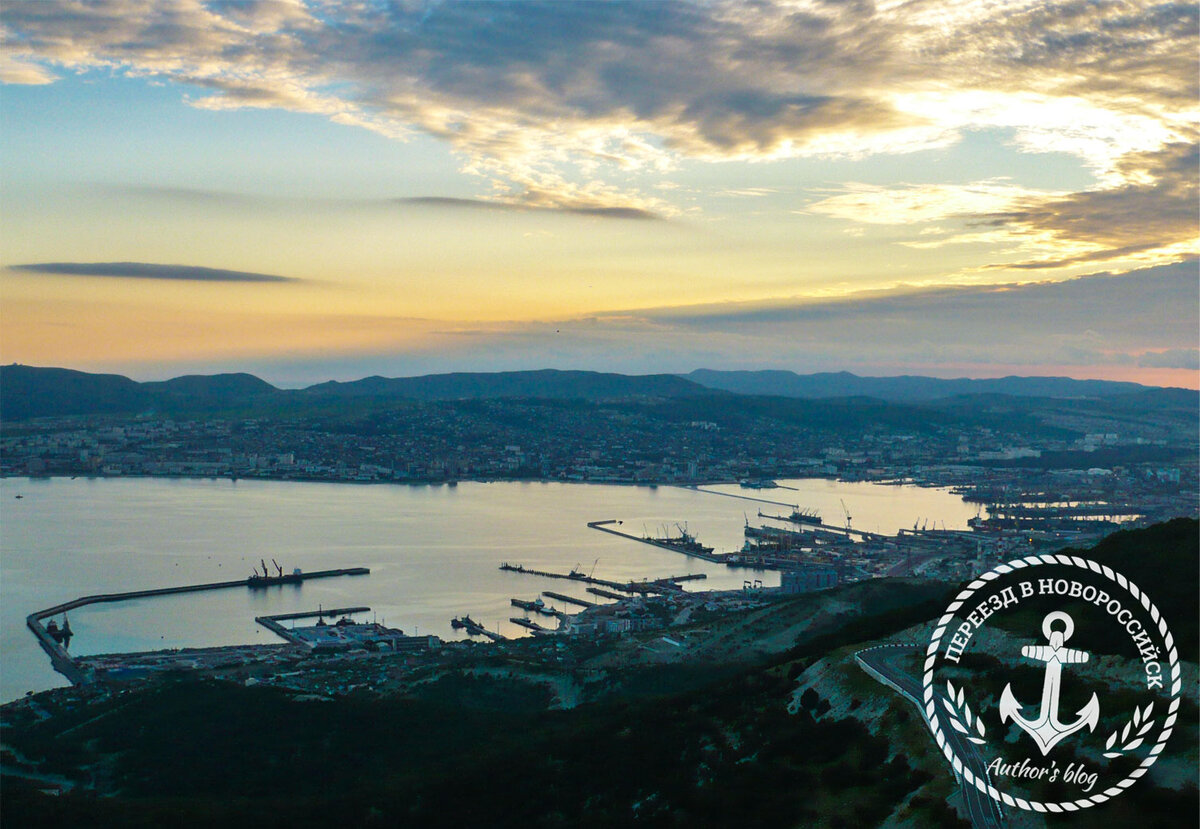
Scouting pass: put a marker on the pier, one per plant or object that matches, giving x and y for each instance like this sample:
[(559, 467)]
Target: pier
[(474, 628), (736, 495), (271, 623), (649, 586), (605, 527), (572, 576), (670, 583), (607, 594), (530, 625), (64, 663), (538, 607), (568, 599)]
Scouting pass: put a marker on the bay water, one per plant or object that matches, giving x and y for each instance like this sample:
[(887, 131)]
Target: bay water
[(434, 551)]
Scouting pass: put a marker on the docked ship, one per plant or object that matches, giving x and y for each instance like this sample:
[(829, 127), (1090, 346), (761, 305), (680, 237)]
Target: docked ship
[(808, 515), (685, 542), (265, 579)]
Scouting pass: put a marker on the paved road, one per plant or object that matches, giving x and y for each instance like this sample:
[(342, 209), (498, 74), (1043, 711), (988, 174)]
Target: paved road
[(985, 813)]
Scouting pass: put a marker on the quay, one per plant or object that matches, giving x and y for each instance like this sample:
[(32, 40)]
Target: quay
[(603, 526), (474, 628), (537, 607), (664, 585), (736, 495), (574, 575), (607, 594), (271, 623), (809, 530), (64, 663), (568, 599), (529, 624), (651, 586)]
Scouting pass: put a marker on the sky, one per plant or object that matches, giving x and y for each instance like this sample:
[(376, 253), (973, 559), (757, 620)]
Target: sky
[(313, 190)]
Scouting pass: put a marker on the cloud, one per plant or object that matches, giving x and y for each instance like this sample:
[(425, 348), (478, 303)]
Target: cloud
[(579, 208), (550, 104), (145, 270), (1154, 209), (1148, 317), (582, 206), (1128, 326), (1188, 358), (1150, 214)]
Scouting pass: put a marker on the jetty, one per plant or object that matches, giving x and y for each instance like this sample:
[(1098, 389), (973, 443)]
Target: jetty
[(574, 575), (537, 606), (735, 495), (473, 628), (607, 594), (568, 599), (271, 623), (64, 663), (663, 585), (694, 550), (530, 625)]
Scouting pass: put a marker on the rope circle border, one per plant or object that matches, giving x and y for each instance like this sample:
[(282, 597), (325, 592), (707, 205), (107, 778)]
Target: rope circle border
[(931, 656)]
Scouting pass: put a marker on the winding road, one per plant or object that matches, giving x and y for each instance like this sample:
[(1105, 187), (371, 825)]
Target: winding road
[(881, 663)]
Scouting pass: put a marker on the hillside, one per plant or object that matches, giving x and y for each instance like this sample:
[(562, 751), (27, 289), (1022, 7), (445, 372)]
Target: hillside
[(906, 388), (723, 738), (546, 383)]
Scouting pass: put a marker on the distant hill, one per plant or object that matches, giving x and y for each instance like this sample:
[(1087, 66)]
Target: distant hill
[(215, 389), (906, 388), (547, 383), (29, 391)]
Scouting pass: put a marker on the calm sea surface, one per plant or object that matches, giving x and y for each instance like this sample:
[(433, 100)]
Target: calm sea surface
[(434, 551)]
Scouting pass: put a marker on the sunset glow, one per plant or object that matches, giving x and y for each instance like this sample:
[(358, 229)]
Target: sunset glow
[(308, 190)]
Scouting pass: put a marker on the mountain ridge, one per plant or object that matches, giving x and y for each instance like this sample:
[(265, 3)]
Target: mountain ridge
[(31, 391), (904, 388)]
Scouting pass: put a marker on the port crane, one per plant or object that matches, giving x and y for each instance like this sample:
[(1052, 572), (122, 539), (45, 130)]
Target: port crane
[(847, 512)]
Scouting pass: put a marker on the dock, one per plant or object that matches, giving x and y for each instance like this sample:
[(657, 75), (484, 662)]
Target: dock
[(64, 663), (607, 594), (529, 624), (568, 599), (663, 585), (694, 488), (537, 607), (271, 623), (605, 527), (474, 628), (572, 576)]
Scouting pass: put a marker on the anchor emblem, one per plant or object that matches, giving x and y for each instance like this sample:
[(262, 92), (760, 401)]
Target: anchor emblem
[(1046, 730)]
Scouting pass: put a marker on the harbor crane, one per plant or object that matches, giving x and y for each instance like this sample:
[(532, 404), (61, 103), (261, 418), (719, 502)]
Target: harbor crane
[(847, 512)]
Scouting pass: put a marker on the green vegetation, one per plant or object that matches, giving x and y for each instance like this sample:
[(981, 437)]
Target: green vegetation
[(698, 744)]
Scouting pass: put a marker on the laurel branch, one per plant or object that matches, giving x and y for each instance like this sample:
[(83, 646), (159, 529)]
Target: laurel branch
[(984, 784), (1140, 717), (960, 717)]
